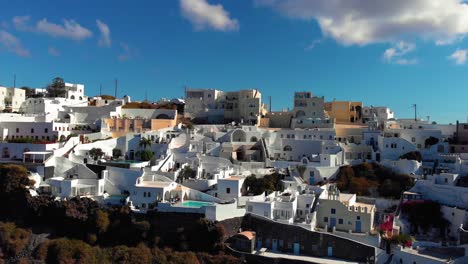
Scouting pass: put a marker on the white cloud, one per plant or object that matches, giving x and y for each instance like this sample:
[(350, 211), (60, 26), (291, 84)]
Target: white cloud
[(362, 22), (313, 44), (127, 52), (396, 53), (69, 29), (13, 44), (20, 22), (459, 56), (203, 15), (104, 39), (53, 52)]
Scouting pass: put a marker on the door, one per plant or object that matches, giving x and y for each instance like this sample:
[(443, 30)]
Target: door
[(332, 222), (358, 226), (330, 252), (274, 245), (259, 243), (296, 248)]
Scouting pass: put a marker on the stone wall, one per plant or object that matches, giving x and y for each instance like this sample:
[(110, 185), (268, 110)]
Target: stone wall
[(311, 243)]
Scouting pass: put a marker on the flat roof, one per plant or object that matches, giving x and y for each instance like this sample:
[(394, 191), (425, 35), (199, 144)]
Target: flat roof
[(234, 178), (38, 152), (159, 184)]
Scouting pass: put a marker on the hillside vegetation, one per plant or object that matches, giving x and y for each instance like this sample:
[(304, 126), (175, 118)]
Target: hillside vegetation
[(362, 179)]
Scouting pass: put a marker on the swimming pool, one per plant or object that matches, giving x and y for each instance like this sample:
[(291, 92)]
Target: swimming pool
[(196, 204)]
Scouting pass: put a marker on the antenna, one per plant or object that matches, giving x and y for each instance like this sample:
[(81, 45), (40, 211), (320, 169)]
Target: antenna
[(100, 89), (146, 96), (14, 80), (415, 112), (269, 97)]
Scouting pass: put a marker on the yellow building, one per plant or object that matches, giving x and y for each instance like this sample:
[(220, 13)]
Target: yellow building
[(344, 111)]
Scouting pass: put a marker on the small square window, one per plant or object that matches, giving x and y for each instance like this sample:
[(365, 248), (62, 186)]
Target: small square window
[(358, 217), (325, 219), (340, 221), (333, 211)]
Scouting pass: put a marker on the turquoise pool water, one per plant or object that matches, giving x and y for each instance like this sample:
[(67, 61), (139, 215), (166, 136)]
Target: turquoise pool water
[(196, 204)]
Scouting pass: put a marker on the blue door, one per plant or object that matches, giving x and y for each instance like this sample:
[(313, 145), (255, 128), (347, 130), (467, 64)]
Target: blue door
[(296, 248), (358, 226), (274, 245), (259, 243), (332, 222), (330, 252)]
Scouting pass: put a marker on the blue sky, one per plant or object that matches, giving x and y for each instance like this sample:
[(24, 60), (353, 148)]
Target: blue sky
[(374, 51)]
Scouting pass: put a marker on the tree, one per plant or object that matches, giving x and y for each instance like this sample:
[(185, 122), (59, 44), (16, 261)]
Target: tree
[(431, 141), (13, 239), (14, 182), (413, 155), (187, 172), (144, 155), (145, 142), (116, 153), (424, 214), (28, 92), (96, 153), (102, 221), (56, 88)]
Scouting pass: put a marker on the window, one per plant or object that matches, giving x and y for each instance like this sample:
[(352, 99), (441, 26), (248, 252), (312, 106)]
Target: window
[(307, 205), (340, 221), (149, 194), (358, 217), (32, 130), (333, 211), (17, 130), (325, 219), (144, 194), (228, 190), (287, 148), (413, 139), (249, 208), (46, 130)]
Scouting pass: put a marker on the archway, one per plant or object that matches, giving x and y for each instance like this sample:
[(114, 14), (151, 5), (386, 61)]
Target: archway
[(287, 148), (162, 116), (300, 113), (253, 139), (238, 136)]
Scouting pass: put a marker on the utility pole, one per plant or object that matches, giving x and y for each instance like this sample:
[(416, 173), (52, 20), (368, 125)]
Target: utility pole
[(269, 104), (116, 84), (415, 112)]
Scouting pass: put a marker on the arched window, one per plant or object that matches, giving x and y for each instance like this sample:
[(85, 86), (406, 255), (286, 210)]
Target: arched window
[(300, 113), (287, 148), (81, 98), (253, 139), (72, 97)]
